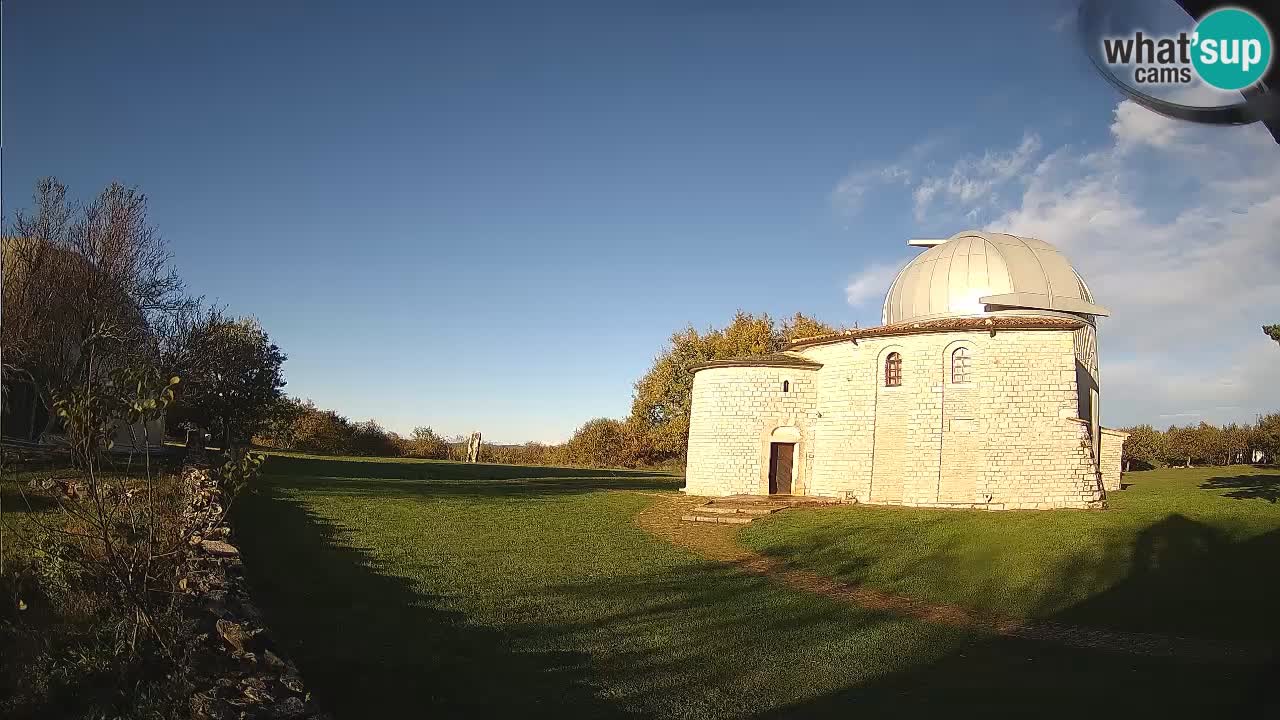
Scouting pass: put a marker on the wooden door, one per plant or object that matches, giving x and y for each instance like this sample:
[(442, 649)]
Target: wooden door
[(781, 457)]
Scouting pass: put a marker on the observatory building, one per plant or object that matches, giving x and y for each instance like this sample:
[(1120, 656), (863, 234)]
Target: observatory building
[(979, 390)]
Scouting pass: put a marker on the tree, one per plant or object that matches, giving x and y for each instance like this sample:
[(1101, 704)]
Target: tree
[(425, 443), (802, 326), (601, 442), (1143, 448), (317, 430), (370, 438), (1179, 446), (1272, 331), (78, 276), (1236, 443), (659, 422), (233, 376), (1266, 436)]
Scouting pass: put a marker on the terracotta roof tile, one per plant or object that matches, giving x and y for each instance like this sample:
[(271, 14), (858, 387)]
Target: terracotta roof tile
[(990, 323)]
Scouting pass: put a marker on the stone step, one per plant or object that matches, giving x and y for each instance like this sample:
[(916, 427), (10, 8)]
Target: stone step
[(723, 519), (739, 509)]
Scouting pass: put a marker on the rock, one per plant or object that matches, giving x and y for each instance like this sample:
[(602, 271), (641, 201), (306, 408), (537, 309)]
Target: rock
[(291, 707), (232, 634), (294, 683), (218, 548), (273, 660), (255, 691)]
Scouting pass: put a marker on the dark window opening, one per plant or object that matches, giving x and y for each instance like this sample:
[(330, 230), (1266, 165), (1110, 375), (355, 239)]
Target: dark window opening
[(893, 370), (960, 365)]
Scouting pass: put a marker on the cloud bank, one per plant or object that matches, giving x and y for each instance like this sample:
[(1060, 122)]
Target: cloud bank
[(1175, 226)]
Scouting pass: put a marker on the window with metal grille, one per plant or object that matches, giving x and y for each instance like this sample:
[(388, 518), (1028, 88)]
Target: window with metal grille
[(893, 370), (960, 365)]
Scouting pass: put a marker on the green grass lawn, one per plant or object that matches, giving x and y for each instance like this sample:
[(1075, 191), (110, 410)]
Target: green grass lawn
[(433, 589), (1184, 551)]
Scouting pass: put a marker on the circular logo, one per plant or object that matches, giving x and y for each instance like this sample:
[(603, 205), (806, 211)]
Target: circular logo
[(1231, 49)]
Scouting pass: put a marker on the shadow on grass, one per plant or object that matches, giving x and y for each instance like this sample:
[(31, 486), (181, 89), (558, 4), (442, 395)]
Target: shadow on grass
[(371, 645), (1247, 487), (435, 470), (1178, 571), (400, 479), (703, 640)]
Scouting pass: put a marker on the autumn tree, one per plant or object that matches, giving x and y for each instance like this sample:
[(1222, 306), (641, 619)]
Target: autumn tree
[(1236, 441), (80, 275), (1266, 436), (659, 422), (601, 442)]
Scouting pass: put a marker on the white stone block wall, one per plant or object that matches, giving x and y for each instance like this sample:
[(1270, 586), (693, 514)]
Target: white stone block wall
[(1004, 440), (1112, 450), (735, 412)]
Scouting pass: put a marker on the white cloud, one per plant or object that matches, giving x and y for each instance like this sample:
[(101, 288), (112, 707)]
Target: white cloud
[(871, 283), (973, 182), (849, 195), (1173, 225)]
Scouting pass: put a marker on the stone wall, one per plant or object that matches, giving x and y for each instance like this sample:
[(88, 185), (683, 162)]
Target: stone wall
[(1112, 447), (1002, 440), (736, 413)]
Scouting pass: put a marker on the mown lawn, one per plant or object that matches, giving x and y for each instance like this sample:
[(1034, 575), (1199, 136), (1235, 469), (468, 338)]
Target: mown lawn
[(1192, 552), (431, 589)]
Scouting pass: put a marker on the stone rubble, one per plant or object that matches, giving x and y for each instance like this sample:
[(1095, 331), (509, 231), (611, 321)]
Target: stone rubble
[(239, 672)]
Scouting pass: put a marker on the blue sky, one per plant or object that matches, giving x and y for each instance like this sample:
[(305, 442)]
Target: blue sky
[(491, 216)]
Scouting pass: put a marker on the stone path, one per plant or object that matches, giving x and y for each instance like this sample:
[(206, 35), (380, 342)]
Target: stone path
[(743, 509), (716, 541)]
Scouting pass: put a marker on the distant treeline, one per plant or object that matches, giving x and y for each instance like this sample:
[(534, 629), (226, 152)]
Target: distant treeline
[(300, 425), (1203, 444), (653, 435)]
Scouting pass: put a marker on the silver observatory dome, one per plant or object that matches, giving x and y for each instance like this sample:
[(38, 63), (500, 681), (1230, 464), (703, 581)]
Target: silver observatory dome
[(979, 273)]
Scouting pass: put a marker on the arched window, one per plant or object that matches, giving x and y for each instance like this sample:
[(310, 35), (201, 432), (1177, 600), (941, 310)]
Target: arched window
[(893, 370), (786, 386), (960, 365)]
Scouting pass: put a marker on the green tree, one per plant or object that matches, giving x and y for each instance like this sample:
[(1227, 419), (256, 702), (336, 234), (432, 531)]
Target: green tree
[(232, 378), (1144, 447), (1236, 443), (659, 421), (1272, 331), (1266, 436)]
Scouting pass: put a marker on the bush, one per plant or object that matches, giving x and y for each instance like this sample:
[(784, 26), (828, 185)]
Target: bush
[(425, 443)]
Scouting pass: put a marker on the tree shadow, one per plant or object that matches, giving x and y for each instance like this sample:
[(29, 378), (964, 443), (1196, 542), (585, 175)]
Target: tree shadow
[(1247, 487), (446, 479), (702, 639), (373, 645), (1177, 571), (437, 470)]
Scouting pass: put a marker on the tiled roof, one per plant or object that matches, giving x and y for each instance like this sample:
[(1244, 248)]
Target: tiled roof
[(990, 324), (770, 360)]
